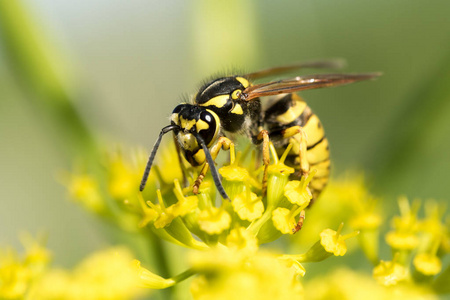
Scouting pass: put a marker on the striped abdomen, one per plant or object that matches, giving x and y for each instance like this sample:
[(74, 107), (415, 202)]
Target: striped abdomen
[(289, 111)]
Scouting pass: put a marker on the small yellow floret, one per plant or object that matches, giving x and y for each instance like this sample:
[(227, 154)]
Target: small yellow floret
[(85, 189), (242, 239), (248, 206), (234, 173), (123, 179), (298, 192), (389, 273), (214, 220), (283, 220), (333, 242), (427, 264), (402, 240)]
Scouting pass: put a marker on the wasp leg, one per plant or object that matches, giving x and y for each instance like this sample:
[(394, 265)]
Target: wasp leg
[(264, 136), (304, 164), (300, 222), (291, 132), (223, 143)]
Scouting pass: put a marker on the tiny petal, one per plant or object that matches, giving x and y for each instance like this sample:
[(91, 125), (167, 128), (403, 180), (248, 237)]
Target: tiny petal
[(214, 220), (85, 189), (298, 192), (333, 242), (147, 279), (389, 273), (234, 173), (402, 240), (291, 262), (283, 220), (242, 239), (248, 206), (427, 264), (184, 206), (164, 219)]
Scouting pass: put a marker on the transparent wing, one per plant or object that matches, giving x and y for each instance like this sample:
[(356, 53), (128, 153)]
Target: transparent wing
[(301, 83), (319, 64)]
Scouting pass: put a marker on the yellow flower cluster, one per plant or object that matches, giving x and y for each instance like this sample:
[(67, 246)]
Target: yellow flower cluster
[(105, 275), (226, 237), (422, 241), (19, 272)]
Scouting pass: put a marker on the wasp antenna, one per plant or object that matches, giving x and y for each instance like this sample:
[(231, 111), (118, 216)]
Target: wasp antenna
[(152, 155), (212, 167)]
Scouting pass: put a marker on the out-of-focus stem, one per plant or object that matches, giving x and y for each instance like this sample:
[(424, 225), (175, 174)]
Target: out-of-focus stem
[(45, 76)]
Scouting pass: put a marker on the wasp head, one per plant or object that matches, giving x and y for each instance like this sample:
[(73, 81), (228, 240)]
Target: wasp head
[(194, 121)]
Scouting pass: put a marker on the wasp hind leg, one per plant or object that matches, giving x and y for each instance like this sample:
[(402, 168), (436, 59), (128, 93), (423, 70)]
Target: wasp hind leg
[(296, 135), (223, 143)]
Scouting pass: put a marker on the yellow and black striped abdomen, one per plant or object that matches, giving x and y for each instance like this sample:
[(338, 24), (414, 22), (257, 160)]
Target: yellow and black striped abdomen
[(289, 111)]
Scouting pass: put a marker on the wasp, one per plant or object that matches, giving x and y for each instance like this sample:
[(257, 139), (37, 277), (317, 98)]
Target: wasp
[(233, 105)]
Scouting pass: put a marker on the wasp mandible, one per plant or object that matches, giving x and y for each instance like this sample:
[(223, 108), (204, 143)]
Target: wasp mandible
[(231, 105)]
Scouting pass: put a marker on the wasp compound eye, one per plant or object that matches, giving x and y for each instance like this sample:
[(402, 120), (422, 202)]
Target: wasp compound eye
[(208, 126)]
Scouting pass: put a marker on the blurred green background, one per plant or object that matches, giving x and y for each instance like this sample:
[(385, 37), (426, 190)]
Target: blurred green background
[(124, 65)]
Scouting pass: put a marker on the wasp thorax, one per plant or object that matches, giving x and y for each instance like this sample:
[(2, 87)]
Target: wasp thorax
[(222, 96)]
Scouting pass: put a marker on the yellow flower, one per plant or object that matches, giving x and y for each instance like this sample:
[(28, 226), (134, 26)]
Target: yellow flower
[(85, 189), (405, 226), (242, 239), (214, 220), (333, 242), (290, 261), (248, 206), (284, 219), (402, 240), (225, 275), (103, 275), (184, 205), (15, 277), (366, 221), (427, 264), (147, 279), (19, 272), (389, 273), (298, 192), (123, 178), (234, 173), (344, 283)]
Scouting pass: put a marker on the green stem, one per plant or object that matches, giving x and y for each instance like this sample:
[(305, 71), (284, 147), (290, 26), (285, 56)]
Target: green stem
[(185, 275), (45, 75), (255, 226)]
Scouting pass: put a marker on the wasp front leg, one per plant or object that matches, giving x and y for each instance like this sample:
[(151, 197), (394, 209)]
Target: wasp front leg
[(223, 143)]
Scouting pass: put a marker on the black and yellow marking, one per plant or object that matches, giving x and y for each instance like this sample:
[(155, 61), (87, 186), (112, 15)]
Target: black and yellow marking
[(232, 105), (283, 120)]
